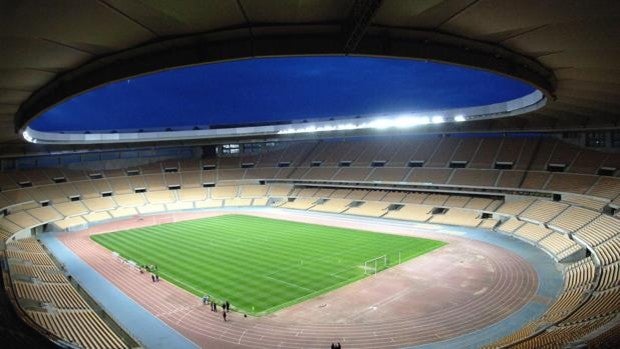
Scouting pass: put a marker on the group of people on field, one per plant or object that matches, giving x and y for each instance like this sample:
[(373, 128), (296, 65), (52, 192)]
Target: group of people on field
[(225, 305)]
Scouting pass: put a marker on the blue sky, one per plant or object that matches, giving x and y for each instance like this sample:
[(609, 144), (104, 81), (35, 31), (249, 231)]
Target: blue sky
[(278, 89)]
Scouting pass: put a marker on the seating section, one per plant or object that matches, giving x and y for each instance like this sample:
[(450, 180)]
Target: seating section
[(83, 327), (543, 210), (62, 310), (532, 232), (514, 207), (601, 229), (369, 208), (574, 218), (559, 245), (411, 212), (332, 205), (455, 216)]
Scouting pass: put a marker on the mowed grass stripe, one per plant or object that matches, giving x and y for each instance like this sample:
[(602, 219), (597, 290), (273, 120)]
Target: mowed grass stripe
[(258, 264)]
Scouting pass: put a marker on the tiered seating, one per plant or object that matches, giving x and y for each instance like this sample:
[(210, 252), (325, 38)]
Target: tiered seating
[(543, 211), (375, 195), (510, 179), (120, 185), (415, 198), (101, 186), (300, 203), (436, 199), (280, 189), (23, 219), (535, 180), (388, 174), (50, 192), (559, 245), (610, 277), (160, 197), (238, 202), (369, 208), (488, 223), (340, 193), (574, 183), (45, 214), (511, 225), (429, 175), (332, 205), (69, 209), (193, 194), (465, 176), (130, 200), (172, 178), (152, 208), (352, 174), (578, 277), (100, 204), (253, 191), (532, 232), (261, 173), (602, 303), (123, 212), (411, 212), (457, 201), (357, 194), (486, 153), (394, 196), (456, 216), (260, 201), (70, 318), (224, 192), (179, 205), (138, 182), (95, 217), (70, 222), (324, 192), (514, 207), (443, 152), (606, 187), (191, 179), (155, 182), (573, 218), (601, 229), (609, 251), (483, 204), (60, 295), (86, 189), (82, 327), (230, 174), (584, 201), (44, 273)]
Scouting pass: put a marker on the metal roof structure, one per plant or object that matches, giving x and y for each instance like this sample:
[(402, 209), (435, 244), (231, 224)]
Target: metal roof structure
[(569, 49)]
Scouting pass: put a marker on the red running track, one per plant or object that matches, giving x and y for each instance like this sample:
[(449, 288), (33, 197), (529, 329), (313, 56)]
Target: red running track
[(465, 286)]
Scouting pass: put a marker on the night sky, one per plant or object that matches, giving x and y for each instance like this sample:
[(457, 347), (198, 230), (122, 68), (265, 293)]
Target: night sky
[(278, 89)]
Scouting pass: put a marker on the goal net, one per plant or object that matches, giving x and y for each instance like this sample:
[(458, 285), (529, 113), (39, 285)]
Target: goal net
[(372, 266)]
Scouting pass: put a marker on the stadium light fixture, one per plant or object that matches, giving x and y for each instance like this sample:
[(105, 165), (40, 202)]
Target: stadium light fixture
[(459, 118), (437, 119), (28, 137)]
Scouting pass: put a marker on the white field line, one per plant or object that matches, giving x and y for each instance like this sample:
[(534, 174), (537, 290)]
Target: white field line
[(288, 283)]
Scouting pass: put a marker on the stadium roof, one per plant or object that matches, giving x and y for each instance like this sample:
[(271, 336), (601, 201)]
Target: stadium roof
[(568, 49)]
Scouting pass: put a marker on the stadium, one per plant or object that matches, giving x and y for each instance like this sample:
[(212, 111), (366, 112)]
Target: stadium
[(307, 173)]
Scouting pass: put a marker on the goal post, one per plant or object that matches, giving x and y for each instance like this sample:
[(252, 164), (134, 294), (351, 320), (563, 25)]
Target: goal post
[(372, 266)]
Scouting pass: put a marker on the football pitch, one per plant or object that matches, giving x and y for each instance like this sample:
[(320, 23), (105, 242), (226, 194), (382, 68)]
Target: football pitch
[(261, 265)]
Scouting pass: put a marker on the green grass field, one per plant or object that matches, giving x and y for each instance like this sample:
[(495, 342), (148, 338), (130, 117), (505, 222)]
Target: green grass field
[(259, 265)]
